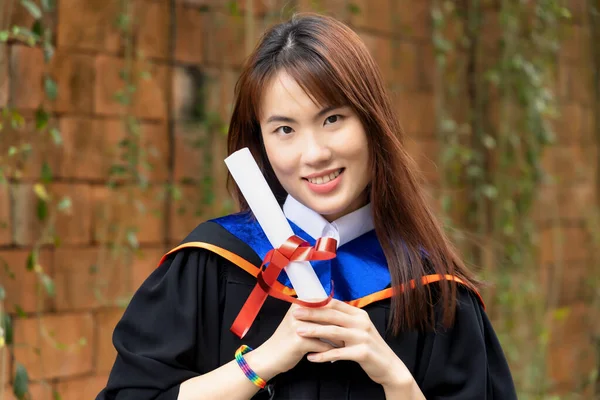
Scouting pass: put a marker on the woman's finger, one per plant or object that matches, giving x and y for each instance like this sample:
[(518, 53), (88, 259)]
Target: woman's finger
[(326, 316), (357, 353), (333, 333)]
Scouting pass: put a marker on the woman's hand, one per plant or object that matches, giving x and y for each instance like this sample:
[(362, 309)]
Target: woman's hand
[(284, 349), (341, 322)]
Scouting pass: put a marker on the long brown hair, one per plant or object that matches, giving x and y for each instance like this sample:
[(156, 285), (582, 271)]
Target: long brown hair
[(332, 64)]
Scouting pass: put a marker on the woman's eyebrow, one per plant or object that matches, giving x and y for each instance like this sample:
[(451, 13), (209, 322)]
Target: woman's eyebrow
[(281, 118)]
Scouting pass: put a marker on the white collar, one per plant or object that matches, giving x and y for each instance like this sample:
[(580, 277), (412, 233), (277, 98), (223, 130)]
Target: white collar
[(344, 229)]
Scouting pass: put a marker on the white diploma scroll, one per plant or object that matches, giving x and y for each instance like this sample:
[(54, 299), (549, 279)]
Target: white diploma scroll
[(267, 211)]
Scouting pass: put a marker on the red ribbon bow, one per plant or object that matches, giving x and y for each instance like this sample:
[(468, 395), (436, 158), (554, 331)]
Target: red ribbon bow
[(294, 249)]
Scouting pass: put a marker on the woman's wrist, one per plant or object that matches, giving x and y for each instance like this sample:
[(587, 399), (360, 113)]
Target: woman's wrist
[(400, 384), (262, 363)]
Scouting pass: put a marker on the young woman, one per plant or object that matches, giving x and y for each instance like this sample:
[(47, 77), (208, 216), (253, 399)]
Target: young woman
[(405, 321)]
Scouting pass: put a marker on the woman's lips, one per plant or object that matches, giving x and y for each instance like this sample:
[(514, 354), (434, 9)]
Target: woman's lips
[(323, 188)]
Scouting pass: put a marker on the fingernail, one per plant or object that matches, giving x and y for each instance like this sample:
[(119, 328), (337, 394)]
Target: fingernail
[(312, 357)]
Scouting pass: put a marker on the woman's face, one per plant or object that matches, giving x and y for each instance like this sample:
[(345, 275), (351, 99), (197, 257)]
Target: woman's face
[(319, 155)]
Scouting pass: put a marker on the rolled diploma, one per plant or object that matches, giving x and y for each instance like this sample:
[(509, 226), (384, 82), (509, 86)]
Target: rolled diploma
[(267, 211)]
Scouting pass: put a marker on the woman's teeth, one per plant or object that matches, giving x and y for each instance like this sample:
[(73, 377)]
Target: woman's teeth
[(324, 179)]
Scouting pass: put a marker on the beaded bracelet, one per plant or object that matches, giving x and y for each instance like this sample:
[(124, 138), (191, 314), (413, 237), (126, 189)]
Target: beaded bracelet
[(250, 374)]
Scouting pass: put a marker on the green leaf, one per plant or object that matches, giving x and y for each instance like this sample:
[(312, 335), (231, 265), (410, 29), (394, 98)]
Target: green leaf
[(48, 285), (32, 260), (40, 191), (21, 383), (64, 204), (42, 210), (353, 8), (38, 28), (20, 312), (51, 88), (2, 293), (132, 239), (41, 119), (56, 395), (12, 150), (8, 329), (4, 35), (56, 136), (48, 51), (46, 173), (33, 8), (48, 5)]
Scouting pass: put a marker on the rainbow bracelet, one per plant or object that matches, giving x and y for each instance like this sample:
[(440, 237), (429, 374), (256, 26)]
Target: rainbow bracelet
[(250, 374)]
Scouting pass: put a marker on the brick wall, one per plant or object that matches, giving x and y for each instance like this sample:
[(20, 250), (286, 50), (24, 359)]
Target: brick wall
[(209, 47)]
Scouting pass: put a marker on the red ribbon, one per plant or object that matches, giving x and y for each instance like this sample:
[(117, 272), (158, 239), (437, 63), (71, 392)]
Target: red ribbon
[(294, 249)]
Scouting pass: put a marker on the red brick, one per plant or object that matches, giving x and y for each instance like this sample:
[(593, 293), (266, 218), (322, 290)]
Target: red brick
[(190, 155), (52, 362), (492, 30), (90, 278), (572, 354), (75, 76), (425, 153), (575, 45), (152, 28), (427, 67), (224, 40), (21, 284), (27, 71), (91, 146), (272, 8), (588, 131), (405, 66), (4, 77), (416, 111), (106, 320), (72, 227), (563, 244), (582, 84), (118, 210), (27, 165), (88, 25), (382, 50), (144, 263), (564, 203), (565, 164), (5, 223), (27, 227), (336, 8), (410, 18), (579, 10), (567, 282), (191, 210), (37, 391), (81, 388), (568, 127), (374, 16), (190, 36), (150, 98)]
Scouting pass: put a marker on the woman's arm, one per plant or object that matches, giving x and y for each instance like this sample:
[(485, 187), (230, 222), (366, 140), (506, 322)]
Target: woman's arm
[(228, 381)]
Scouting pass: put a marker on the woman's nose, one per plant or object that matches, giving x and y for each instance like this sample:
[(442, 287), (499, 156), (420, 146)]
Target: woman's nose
[(316, 150)]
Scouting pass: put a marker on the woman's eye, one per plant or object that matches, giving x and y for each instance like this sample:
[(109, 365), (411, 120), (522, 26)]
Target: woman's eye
[(284, 129), (332, 119)]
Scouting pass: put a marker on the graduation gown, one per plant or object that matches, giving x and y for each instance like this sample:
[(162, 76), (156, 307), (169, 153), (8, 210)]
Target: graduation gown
[(177, 326)]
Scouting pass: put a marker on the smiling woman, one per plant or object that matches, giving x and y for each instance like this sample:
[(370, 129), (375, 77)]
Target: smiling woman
[(319, 154), (406, 318)]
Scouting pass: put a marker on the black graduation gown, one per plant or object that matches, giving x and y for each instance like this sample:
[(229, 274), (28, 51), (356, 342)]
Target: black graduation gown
[(177, 326)]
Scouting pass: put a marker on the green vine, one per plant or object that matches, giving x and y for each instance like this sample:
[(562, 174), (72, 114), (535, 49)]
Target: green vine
[(12, 163), (492, 163)]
